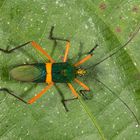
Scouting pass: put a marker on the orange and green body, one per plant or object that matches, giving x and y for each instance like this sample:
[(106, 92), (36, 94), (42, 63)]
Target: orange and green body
[(49, 73), (40, 72)]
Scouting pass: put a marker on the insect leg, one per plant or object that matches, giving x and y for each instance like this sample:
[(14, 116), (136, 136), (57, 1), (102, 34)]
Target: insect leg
[(34, 44), (74, 93), (60, 39), (83, 92), (67, 100), (55, 38), (90, 53), (66, 52), (73, 90), (11, 93), (39, 48), (82, 84), (40, 94), (12, 50), (93, 49)]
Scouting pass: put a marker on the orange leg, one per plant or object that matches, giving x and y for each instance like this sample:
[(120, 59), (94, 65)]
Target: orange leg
[(90, 53), (66, 52), (39, 48), (83, 60), (73, 90), (34, 44), (40, 94), (82, 84), (60, 39)]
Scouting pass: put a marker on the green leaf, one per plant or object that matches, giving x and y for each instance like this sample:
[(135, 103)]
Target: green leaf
[(109, 24)]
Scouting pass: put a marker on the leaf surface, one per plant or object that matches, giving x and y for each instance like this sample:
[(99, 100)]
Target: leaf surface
[(85, 23)]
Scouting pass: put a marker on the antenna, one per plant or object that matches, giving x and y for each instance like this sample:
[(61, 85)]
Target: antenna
[(118, 49), (120, 100)]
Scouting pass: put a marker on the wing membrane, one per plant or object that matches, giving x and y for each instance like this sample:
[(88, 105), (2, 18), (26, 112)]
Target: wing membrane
[(27, 73)]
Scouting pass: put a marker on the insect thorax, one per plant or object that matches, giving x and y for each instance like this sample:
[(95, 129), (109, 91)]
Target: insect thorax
[(63, 72)]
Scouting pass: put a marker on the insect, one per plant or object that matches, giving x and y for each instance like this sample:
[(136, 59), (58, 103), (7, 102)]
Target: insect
[(53, 72)]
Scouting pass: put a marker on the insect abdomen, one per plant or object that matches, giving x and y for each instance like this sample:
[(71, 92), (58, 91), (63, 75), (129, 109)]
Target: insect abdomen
[(29, 73)]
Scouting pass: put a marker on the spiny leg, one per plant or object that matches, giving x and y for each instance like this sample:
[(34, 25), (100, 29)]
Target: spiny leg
[(34, 44), (11, 93), (90, 53), (32, 100)]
